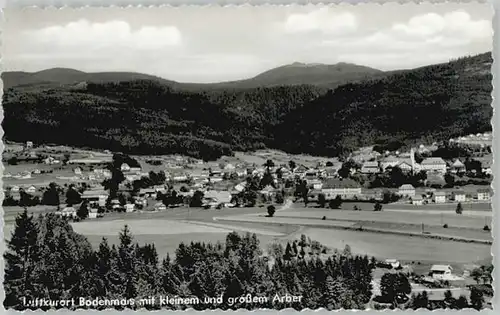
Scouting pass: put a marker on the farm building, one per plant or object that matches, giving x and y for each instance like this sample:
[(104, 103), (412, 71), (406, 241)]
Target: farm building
[(440, 197), (346, 188), (406, 190)]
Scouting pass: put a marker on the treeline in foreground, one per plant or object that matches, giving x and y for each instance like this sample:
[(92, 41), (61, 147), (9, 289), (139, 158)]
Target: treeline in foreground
[(46, 259)]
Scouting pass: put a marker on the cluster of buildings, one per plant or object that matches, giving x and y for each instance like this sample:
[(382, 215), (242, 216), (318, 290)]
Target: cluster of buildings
[(431, 195)]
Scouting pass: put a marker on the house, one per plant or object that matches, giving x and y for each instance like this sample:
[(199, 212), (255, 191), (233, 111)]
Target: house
[(311, 174), (389, 161), (346, 188), (229, 167), (214, 197), (370, 167), (160, 206), (29, 144), (67, 212), (98, 197), (458, 196), (148, 193), (135, 170), (433, 164), (440, 197), (406, 166), (417, 200), (125, 167), (77, 171), (268, 190), (31, 189), (483, 194), (314, 183), (50, 160), (457, 167), (240, 187), (300, 170), (406, 190), (14, 188), (129, 207), (440, 272)]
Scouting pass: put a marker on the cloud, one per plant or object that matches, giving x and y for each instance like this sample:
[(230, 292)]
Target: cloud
[(423, 39), (322, 20), (457, 23), (85, 35)]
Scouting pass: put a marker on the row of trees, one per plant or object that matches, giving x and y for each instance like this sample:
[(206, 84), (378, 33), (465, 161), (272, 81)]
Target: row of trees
[(45, 258)]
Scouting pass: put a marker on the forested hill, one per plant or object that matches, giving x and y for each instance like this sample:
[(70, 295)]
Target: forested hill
[(147, 116)]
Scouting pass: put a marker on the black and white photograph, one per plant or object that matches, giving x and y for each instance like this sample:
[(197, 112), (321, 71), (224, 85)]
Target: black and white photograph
[(248, 157)]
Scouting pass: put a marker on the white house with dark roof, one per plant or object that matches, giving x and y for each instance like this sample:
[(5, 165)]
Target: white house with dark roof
[(434, 164)]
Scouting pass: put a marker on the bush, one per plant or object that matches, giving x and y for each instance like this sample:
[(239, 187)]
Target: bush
[(486, 228), (445, 225), (377, 206), (459, 208), (271, 210), (324, 218)]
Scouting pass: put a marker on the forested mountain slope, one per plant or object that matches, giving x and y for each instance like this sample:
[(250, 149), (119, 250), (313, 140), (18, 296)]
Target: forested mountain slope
[(148, 116)]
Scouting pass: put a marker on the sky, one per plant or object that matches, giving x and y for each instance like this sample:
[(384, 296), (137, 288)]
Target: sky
[(213, 43)]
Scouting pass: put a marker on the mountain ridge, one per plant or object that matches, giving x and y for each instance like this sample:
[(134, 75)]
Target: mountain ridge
[(290, 74)]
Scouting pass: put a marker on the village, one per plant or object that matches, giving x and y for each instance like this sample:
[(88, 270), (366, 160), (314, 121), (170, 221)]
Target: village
[(417, 177)]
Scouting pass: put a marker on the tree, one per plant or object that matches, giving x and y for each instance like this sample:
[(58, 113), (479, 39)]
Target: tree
[(459, 208), (66, 158), (269, 163), (51, 195), (322, 200), (271, 210), (336, 202), (421, 300), (21, 257), (476, 298), (279, 198), (83, 211), (377, 206), (72, 196), (449, 179), (197, 200), (461, 303), (292, 165), (449, 300), (329, 164), (395, 287)]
